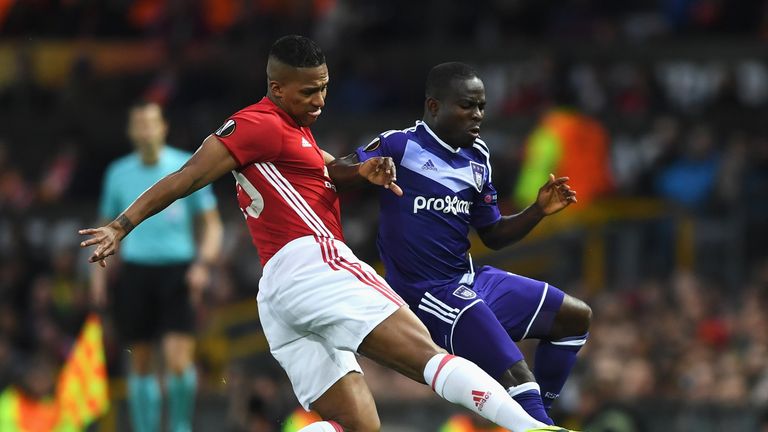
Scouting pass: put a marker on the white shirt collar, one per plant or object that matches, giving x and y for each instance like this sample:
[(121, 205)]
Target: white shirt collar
[(441, 142)]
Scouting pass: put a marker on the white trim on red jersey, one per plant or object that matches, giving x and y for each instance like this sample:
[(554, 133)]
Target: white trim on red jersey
[(323, 235), (293, 198)]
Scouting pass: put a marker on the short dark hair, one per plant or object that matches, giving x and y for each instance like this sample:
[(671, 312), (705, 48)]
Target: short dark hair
[(440, 77), (297, 51), (145, 103)]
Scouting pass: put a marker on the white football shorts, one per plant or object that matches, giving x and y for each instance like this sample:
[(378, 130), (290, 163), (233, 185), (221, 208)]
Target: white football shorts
[(317, 302)]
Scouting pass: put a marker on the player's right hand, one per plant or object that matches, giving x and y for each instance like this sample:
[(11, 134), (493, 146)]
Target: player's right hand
[(105, 238), (381, 171)]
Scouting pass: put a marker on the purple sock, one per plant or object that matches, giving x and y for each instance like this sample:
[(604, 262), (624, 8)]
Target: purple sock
[(529, 397), (553, 364)]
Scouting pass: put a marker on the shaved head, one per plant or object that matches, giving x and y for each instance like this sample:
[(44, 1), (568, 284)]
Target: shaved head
[(293, 51), (278, 71), (297, 78), (289, 55)]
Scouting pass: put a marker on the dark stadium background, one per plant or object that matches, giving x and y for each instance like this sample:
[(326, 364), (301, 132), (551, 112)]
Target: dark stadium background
[(673, 260)]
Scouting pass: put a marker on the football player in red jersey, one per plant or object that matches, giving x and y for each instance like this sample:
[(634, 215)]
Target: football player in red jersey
[(318, 303)]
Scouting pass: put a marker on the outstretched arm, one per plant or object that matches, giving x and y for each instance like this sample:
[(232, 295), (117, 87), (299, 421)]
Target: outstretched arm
[(347, 172), (208, 163), (554, 196)]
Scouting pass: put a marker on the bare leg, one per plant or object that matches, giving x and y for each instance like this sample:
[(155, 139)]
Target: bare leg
[(402, 343), (349, 403), (573, 319)]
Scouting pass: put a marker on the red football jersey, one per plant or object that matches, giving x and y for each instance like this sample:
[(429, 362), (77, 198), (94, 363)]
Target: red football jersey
[(283, 187)]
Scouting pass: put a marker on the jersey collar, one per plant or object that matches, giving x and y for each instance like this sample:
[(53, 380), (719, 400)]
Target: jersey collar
[(439, 141), (280, 112)]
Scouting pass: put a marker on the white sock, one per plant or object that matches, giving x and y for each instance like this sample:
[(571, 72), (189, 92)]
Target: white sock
[(462, 382), (322, 426), (524, 387)]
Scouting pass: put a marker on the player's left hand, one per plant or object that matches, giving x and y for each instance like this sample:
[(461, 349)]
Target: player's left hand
[(555, 195), (381, 171)]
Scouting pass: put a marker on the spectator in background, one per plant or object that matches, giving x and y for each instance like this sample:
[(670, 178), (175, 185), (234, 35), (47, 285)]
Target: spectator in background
[(163, 273), (690, 178), (571, 144)]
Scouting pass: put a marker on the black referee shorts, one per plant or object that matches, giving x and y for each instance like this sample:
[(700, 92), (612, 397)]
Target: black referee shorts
[(149, 301)]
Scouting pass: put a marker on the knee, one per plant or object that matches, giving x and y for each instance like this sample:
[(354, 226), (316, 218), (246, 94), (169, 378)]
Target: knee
[(574, 319), (584, 318)]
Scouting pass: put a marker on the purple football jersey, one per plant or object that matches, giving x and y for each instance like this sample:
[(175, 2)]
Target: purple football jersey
[(422, 235)]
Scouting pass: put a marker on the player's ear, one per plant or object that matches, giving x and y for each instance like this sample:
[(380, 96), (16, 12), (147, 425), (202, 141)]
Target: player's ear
[(433, 106), (275, 88)]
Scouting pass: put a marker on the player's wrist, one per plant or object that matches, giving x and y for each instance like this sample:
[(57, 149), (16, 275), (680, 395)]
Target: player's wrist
[(122, 225), (536, 210)]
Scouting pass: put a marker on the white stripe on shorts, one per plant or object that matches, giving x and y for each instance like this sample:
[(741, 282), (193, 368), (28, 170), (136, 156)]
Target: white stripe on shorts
[(535, 314), (437, 308), (440, 303), (431, 311)]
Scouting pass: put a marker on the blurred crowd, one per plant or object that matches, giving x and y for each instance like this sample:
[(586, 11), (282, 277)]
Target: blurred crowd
[(681, 119), (684, 339), (600, 20)]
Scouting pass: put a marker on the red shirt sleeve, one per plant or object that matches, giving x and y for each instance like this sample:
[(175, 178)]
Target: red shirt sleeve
[(252, 137)]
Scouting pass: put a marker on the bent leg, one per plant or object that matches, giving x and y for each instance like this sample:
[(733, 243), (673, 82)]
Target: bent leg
[(573, 319), (402, 343), (533, 309), (478, 336), (556, 353), (522, 386)]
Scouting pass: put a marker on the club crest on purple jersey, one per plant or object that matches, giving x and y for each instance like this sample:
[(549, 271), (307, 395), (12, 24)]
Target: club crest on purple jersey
[(464, 292), (478, 173)]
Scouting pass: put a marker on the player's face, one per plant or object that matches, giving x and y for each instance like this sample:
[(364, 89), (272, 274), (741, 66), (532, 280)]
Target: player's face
[(302, 93), (460, 113), (147, 128)]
